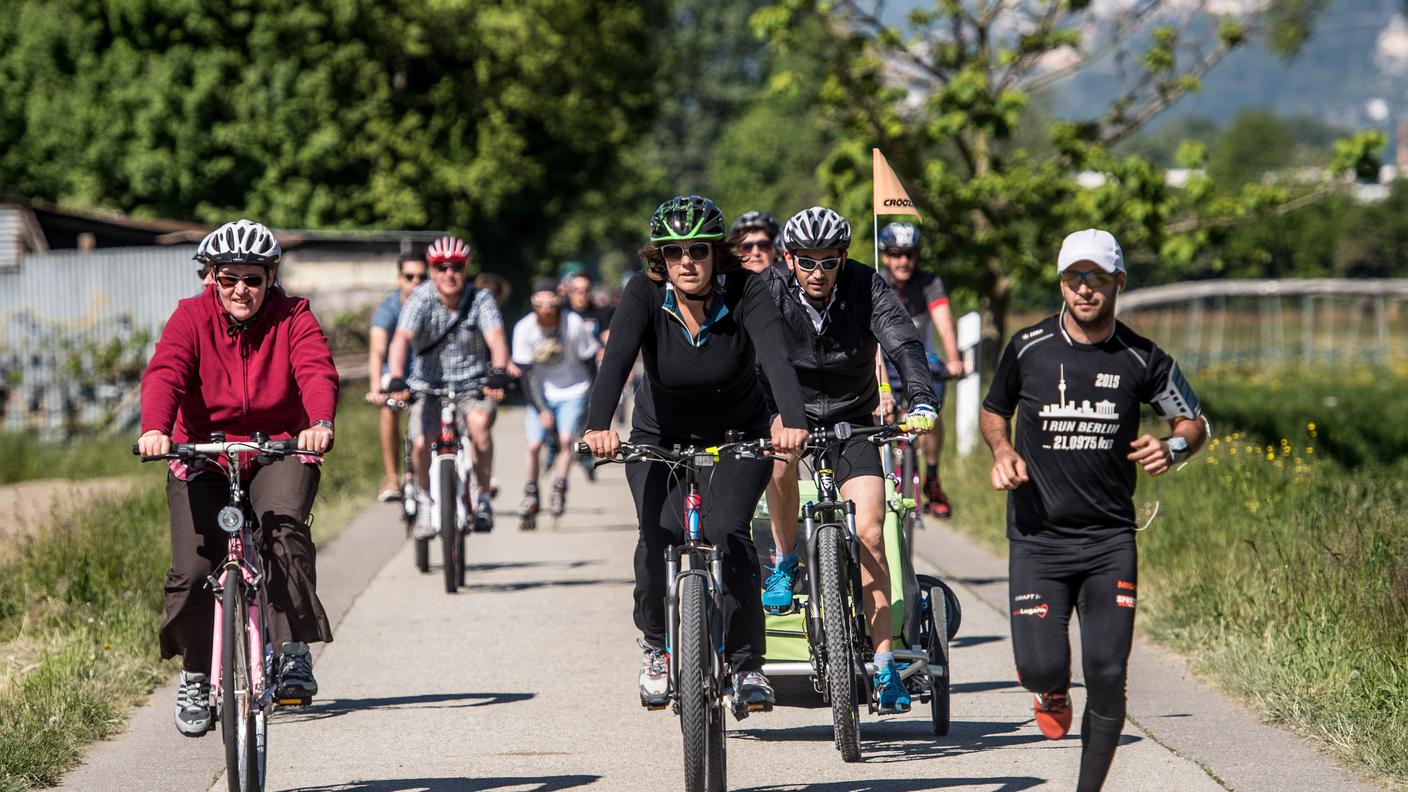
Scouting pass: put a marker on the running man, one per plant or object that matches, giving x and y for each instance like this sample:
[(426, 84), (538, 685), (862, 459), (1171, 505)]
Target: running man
[(1076, 382), (837, 312), (553, 348), (923, 295), (449, 324)]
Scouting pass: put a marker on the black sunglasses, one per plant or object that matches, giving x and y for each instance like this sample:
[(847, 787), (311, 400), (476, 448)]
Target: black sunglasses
[(827, 264), (453, 267), (230, 281), (899, 252), (699, 251), (748, 247), (411, 277)]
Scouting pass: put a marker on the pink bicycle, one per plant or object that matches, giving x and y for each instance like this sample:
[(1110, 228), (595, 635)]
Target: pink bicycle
[(242, 680)]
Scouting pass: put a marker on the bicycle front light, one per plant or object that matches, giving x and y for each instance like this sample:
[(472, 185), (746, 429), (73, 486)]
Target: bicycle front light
[(231, 519)]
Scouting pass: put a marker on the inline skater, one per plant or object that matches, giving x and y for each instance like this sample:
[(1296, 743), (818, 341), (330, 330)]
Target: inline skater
[(553, 348), (1076, 381), (923, 295), (837, 312), (284, 383), (458, 337), (700, 322)]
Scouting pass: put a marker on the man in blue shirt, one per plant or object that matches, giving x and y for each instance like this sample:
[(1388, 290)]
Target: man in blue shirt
[(411, 272)]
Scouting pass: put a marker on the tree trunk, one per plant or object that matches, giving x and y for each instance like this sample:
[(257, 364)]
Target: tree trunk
[(995, 301)]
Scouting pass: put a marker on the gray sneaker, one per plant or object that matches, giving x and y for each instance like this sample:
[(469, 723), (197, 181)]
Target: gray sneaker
[(654, 677), (752, 690), (193, 714), (295, 679)]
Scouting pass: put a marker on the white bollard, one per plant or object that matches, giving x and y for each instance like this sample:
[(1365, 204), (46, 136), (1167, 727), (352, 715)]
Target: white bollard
[(970, 332)]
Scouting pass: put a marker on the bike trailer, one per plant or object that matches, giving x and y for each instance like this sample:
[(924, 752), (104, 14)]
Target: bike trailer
[(786, 634)]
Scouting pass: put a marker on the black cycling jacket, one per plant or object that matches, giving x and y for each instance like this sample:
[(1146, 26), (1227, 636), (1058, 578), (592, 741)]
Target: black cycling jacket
[(836, 366)]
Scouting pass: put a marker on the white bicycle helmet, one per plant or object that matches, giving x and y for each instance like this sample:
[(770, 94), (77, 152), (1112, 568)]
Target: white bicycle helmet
[(815, 229), (904, 236), (240, 242)]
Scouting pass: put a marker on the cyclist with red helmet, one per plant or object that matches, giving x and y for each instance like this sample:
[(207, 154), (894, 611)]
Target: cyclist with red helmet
[(458, 336)]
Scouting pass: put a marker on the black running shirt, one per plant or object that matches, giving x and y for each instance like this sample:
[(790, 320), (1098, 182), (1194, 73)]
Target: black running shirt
[(1078, 409)]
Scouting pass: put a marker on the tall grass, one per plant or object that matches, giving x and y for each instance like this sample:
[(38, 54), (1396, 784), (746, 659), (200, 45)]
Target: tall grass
[(23, 456), (1278, 560), (81, 602)]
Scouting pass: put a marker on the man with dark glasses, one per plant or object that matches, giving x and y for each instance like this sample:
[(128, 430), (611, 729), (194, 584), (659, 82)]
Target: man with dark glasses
[(1077, 382), (753, 237), (457, 334), (411, 271), (923, 296), (837, 312)]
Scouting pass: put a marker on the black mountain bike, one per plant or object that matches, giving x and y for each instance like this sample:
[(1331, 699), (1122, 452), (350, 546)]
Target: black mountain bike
[(695, 633)]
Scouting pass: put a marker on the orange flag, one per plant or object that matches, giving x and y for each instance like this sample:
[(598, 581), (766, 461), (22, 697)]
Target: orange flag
[(890, 197)]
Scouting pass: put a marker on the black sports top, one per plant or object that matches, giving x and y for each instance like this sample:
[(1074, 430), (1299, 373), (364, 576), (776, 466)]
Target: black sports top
[(1078, 410), (697, 387)]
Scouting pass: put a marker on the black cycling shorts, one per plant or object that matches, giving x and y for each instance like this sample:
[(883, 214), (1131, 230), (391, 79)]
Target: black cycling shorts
[(856, 458)]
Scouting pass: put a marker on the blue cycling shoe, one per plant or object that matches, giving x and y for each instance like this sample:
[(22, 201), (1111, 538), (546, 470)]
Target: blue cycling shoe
[(894, 699), (777, 589)]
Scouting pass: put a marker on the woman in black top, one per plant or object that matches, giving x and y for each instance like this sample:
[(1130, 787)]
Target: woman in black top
[(700, 323)]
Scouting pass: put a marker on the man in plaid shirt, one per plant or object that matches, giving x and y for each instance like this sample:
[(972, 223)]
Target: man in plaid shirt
[(451, 326)]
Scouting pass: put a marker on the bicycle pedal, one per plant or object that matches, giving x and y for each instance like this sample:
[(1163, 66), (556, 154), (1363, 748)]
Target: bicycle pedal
[(656, 708), (295, 702), (760, 708)]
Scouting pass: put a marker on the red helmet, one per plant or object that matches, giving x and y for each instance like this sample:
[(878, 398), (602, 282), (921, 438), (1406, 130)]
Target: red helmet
[(447, 248)]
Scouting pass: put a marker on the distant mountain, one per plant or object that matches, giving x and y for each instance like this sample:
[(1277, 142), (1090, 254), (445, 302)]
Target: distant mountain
[(1352, 73)]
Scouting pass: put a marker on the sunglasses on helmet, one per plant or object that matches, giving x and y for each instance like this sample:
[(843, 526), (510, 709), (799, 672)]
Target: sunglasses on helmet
[(699, 251)]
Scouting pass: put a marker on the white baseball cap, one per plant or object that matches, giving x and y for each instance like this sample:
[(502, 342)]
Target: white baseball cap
[(1093, 245)]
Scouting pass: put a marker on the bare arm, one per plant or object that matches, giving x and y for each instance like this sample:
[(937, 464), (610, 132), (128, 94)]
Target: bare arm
[(379, 341), (1008, 468), (497, 341), (942, 317), (1153, 454)]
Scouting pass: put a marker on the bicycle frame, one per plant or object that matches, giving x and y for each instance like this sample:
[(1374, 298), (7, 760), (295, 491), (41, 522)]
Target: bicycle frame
[(450, 445), (704, 561), (242, 567)]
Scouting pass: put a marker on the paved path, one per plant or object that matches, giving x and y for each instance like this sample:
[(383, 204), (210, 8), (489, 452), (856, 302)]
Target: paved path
[(525, 682)]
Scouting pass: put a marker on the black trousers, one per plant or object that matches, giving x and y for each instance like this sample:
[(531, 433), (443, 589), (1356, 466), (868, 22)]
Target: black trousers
[(1099, 581), (729, 492), (282, 495)]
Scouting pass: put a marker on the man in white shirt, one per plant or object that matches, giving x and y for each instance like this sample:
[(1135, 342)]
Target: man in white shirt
[(554, 349)]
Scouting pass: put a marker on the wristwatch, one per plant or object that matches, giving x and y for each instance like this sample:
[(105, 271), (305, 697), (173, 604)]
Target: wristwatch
[(326, 424), (1177, 449)]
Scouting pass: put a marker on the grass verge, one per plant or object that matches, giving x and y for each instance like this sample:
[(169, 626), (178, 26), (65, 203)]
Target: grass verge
[(81, 602), (24, 457), (1277, 564)]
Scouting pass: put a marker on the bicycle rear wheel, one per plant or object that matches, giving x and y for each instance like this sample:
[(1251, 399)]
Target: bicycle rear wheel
[(238, 725), (446, 502), (701, 719), (832, 562), (938, 649)]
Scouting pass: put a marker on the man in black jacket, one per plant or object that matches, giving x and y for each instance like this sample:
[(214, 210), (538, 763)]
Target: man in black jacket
[(836, 312)]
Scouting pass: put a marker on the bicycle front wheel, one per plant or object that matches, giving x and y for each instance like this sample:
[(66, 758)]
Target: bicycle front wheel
[(835, 620), (701, 719), (447, 503), (239, 725)]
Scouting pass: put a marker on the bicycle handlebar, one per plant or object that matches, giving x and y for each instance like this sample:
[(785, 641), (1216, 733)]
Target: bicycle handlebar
[(645, 452), (183, 451)]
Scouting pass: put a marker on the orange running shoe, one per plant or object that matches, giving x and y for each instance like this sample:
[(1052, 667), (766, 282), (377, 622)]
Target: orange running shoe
[(1053, 714)]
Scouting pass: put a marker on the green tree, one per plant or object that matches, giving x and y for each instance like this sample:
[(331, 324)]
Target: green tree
[(493, 118), (945, 94)]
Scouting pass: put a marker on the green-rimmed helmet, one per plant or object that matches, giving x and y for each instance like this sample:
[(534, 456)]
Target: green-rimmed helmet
[(689, 218)]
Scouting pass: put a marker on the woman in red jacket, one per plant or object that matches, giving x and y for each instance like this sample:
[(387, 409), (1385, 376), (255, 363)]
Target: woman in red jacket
[(240, 357)]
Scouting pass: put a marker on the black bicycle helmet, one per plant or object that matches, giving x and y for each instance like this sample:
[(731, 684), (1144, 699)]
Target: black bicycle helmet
[(687, 218), (756, 221)]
